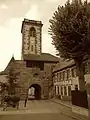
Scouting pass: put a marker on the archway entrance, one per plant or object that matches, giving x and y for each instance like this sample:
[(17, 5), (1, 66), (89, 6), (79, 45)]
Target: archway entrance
[(34, 92)]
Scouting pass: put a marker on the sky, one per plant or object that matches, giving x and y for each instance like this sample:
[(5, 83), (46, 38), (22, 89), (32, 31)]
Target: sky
[(12, 13)]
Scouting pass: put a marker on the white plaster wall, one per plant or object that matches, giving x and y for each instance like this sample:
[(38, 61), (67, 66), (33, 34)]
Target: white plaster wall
[(56, 90), (75, 82), (87, 78), (67, 90), (63, 83)]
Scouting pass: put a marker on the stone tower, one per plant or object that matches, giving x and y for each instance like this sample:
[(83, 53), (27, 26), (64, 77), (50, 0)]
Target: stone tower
[(35, 68), (31, 37)]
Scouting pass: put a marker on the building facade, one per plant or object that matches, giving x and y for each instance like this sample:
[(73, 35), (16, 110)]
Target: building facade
[(65, 78), (35, 67)]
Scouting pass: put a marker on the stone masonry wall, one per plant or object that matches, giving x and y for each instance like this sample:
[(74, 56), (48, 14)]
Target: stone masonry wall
[(26, 39), (26, 78)]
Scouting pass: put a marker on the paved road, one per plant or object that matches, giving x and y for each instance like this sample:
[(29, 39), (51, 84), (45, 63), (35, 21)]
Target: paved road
[(38, 110), (35, 117)]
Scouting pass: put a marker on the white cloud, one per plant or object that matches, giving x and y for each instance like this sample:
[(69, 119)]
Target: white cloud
[(10, 41), (52, 0), (25, 2), (15, 36), (12, 14), (46, 44), (3, 6), (33, 13)]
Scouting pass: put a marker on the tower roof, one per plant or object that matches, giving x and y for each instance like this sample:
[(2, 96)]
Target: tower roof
[(9, 64)]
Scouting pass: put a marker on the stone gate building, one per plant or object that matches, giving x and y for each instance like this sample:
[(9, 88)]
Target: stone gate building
[(35, 67)]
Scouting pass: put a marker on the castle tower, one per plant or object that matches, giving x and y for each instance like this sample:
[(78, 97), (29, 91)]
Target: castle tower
[(31, 37)]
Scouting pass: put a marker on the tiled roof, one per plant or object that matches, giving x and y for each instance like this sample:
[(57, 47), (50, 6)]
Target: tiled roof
[(63, 65), (66, 64), (8, 65), (43, 57)]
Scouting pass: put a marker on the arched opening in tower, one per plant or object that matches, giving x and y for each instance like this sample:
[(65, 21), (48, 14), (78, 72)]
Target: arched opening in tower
[(34, 92)]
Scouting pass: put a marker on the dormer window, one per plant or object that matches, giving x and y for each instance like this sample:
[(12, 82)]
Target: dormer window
[(32, 32)]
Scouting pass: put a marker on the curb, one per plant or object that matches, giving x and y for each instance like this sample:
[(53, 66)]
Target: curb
[(61, 103), (74, 117)]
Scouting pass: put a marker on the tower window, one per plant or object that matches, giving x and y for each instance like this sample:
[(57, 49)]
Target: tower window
[(32, 48), (32, 32)]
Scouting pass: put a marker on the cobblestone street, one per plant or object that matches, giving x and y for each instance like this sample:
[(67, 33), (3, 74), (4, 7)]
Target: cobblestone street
[(43, 108)]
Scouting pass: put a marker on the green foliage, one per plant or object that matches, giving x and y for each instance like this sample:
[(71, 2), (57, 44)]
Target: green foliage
[(12, 80), (70, 29)]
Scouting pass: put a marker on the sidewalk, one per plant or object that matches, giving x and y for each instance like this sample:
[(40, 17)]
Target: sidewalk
[(65, 103), (69, 105), (21, 107)]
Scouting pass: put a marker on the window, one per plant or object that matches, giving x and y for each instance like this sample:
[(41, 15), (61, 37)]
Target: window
[(76, 87), (60, 76), (58, 90), (69, 90), (85, 68), (73, 72), (68, 74), (0, 87), (32, 32), (65, 91), (57, 76), (28, 64), (32, 48), (53, 77), (55, 89), (61, 90), (63, 75)]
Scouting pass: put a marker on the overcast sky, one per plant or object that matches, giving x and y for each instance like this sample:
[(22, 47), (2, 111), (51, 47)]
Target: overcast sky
[(12, 13)]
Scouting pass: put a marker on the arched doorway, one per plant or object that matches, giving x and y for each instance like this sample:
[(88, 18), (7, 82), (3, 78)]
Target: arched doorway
[(34, 92)]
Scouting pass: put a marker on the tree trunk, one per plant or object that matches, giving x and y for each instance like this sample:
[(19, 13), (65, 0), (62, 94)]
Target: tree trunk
[(11, 89), (80, 73)]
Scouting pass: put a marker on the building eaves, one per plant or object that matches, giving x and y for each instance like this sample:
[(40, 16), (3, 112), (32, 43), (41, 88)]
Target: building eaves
[(43, 57), (64, 65)]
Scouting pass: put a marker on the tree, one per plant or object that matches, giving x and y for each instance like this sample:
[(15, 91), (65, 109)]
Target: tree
[(70, 29), (12, 83)]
